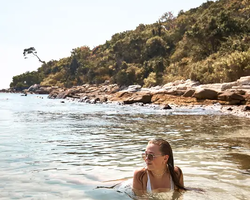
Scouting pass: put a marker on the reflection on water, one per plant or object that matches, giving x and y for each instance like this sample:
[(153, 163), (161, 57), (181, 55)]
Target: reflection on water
[(51, 150)]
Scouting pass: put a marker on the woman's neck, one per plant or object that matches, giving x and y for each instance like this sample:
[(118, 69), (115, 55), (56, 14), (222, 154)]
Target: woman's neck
[(159, 173)]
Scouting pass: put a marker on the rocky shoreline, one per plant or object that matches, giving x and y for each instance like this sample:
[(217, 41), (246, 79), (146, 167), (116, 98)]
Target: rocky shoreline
[(232, 98)]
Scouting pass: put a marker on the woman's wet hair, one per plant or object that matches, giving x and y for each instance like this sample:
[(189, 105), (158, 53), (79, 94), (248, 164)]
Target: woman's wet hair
[(166, 149)]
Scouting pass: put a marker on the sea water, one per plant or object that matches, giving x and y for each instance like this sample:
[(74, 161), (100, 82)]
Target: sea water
[(59, 149)]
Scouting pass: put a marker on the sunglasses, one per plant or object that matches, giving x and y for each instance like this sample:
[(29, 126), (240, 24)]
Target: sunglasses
[(150, 156)]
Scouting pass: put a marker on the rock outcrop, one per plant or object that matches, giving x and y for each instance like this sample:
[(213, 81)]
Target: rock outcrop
[(178, 92)]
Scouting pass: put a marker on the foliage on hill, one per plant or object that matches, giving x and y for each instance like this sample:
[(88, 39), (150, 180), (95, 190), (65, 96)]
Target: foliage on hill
[(209, 44)]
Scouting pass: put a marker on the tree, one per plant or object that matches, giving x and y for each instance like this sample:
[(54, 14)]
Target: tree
[(156, 46), (33, 51), (167, 17)]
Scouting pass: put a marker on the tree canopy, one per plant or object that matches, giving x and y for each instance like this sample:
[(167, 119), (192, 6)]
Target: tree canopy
[(209, 44)]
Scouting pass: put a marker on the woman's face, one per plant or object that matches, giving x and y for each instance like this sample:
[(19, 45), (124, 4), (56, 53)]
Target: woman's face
[(159, 162)]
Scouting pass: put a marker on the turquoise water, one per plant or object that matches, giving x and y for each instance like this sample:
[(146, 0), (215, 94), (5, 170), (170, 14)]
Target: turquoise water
[(54, 150)]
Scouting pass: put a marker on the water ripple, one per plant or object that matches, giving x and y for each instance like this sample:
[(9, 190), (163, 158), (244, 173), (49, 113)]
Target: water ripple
[(49, 148)]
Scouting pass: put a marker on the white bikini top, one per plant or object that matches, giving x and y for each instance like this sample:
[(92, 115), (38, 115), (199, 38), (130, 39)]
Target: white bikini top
[(149, 184)]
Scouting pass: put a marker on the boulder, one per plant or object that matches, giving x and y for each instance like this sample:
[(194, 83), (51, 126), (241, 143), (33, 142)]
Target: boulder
[(53, 94), (166, 107), (94, 100), (37, 89), (41, 91), (134, 88), (237, 91), (175, 92), (138, 97), (58, 94), (214, 86), (245, 80), (64, 94), (123, 94), (33, 88), (181, 87), (228, 96), (205, 94), (232, 98), (189, 93), (225, 86), (247, 108)]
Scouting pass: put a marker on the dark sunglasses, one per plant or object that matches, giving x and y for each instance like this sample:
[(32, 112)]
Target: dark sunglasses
[(150, 156)]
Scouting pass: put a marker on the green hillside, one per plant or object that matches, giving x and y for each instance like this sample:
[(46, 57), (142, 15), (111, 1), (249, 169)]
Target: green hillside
[(208, 44)]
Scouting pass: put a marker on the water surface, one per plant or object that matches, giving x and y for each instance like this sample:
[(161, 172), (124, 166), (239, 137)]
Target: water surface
[(54, 150)]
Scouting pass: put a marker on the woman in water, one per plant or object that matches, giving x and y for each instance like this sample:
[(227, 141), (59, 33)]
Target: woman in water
[(160, 175)]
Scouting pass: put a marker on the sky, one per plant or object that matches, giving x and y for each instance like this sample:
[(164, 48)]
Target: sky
[(55, 27)]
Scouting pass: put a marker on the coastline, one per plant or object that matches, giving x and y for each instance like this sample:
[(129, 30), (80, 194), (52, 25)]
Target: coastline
[(229, 98), (178, 102)]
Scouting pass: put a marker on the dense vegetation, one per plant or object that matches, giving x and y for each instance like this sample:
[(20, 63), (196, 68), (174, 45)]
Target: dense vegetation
[(208, 44)]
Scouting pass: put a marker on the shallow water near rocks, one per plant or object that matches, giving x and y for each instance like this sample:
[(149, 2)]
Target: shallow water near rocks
[(54, 150)]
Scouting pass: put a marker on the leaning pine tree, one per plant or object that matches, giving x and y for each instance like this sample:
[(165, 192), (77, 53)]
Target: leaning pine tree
[(33, 51)]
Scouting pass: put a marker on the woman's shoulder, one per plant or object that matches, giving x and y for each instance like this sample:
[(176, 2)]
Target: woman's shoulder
[(139, 181), (139, 173)]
